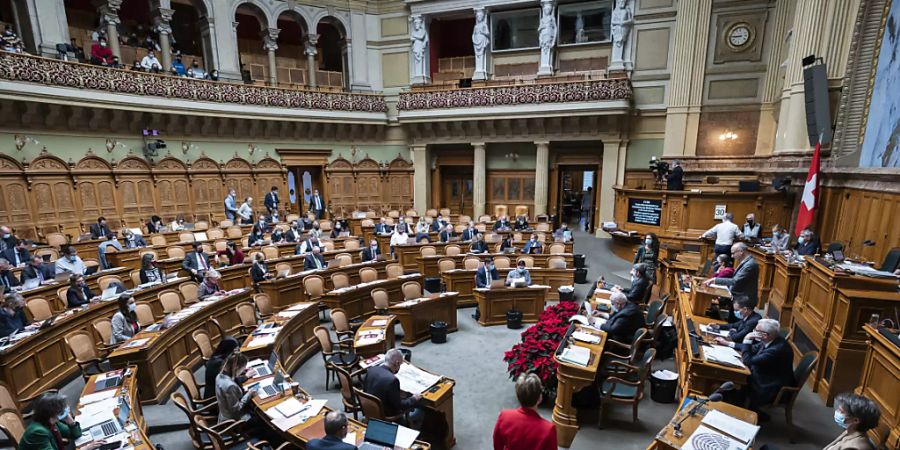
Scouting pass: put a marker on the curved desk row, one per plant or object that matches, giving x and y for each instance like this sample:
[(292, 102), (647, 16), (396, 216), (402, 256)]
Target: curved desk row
[(428, 265), (356, 299), (135, 429), (48, 291), (463, 282)]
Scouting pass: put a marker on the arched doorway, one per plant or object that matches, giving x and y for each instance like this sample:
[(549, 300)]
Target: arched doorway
[(333, 55), (291, 61), (251, 27)]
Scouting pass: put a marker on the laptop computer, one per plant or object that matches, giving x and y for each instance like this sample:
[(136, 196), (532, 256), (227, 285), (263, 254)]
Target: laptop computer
[(107, 383), (379, 435), (90, 270), (110, 292), (62, 277), (111, 427), (497, 284), (30, 283), (274, 388), (333, 263), (266, 368)]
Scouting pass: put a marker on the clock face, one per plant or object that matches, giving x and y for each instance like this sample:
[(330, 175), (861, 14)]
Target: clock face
[(739, 36)]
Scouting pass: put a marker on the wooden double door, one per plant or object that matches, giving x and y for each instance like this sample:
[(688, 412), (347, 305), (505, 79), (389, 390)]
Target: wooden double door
[(456, 190)]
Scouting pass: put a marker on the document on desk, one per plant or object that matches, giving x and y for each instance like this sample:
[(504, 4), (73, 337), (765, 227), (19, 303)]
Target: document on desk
[(260, 341), (136, 343), (706, 329), (736, 428), (586, 337), (97, 396), (576, 355), (704, 438), (369, 337), (723, 355), (405, 437), (415, 380)]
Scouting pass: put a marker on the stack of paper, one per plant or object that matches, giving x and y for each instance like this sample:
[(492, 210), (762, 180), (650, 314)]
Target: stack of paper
[(736, 428), (262, 340), (379, 323), (704, 438), (576, 355), (586, 337), (415, 380), (723, 355), (706, 329), (136, 343), (369, 337)]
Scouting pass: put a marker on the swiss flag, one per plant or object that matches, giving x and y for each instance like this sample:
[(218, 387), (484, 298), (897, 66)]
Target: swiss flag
[(809, 200)]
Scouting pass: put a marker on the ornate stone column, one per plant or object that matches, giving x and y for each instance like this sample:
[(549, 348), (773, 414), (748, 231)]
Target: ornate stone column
[(478, 179), (421, 177), (309, 43), (163, 21), (270, 43), (419, 72), (109, 16), (46, 20), (541, 172), (207, 34)]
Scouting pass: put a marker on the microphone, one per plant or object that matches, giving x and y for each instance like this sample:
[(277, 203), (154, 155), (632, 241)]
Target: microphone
[(714, 397)]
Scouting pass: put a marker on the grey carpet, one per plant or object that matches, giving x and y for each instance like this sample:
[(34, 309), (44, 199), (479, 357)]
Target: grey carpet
[(473, 356)]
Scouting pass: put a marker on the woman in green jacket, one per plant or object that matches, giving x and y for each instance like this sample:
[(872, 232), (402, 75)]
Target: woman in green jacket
[(52, 423)]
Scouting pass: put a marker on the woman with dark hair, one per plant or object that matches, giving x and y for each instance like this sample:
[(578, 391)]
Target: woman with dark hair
[(257, 236), (150, 273), (233, 401), (79, 294), (338, 228), (259, 272), (648, 253), (233, 253), (124, 321), (856, 414), (639, 284), (277, 236), (506, 243), (51, 423), (723, 267), (226, 347)]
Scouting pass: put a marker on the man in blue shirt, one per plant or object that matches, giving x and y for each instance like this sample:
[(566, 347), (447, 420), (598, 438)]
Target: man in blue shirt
[(179, 67)]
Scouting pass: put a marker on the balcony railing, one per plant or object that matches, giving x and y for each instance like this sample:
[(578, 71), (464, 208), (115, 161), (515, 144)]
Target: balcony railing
[(52, 72), (517, 94)]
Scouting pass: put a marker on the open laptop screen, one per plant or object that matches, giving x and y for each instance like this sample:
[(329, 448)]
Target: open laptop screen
[(381, 432)]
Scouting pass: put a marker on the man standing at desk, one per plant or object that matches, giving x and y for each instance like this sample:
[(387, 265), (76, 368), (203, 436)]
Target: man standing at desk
[(70, 262), (745, 281), (231, 207), (317, 204), (382, 382), (314, 260), (486, 274), (196, 262), (519, 276), (725, 232), (675, 179), (770, 360)]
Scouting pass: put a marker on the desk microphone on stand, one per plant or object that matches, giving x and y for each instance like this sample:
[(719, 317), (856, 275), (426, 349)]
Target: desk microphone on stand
[(714, 397)]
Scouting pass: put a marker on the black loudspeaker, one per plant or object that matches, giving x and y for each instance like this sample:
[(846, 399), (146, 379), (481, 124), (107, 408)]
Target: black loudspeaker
[(748, 186), (818, 111), (781, 183), (465, 82)]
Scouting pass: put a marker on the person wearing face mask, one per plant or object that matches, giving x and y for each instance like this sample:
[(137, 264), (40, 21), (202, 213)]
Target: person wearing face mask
[(8, 279), (317, 204), (521, 224), (178, 67), (210, 285), (100, 229), (807, 243), (177, 224), (737, 331), (486, 274), (478, 246), (421, 230), (213, 76), (149, 272), (245, 212), (37, 269), (133, 241), (52, 423), (278, 236), (79, 294), (337, 229), (70, 262), (149, 61), (399, 237), (372, 252), (155, 224), (307, 245), (501, 224), (382, 227), (101, 55), (563, 233), (7, 239), (519, 276), (781, 241), (446, 234), (259, 272), (745, 281), (124, 321), (639, 284), (234, 254), (533, 246), (648, 254), (725, 234), (196, 262), (770, 360), (469, 233), (857, 415), (12, 314), (626, 318), (294, 233), (723, 267), (111, 241), (257, 237), (751, 227), (199, 73)]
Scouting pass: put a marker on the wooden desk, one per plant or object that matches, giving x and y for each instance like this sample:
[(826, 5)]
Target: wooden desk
[(880, 382), (295, 340), (416, 316), (829, 313), (666, 439), (43, 360), (785, 280), (356, 299), (286, 291), (382, 324), (494, 303), (462, 281), (48, 291), (571, 379), (138, 438), (428, 265), (702, 296), (406, 254), (668, 271), (172, 347), (438, 402), (766, 262), (696, 375)]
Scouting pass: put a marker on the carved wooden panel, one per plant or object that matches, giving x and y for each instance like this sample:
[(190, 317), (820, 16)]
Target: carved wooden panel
[(368, 191)]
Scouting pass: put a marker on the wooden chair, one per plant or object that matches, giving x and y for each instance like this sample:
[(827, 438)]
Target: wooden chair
[(175, 251), (186, 237), (63, 295), (284, 267), (484, 218), (654, 309), (521, 210), (144, 314), (220, 245), (351, 245), (170, 301), (224, 435), (787, 395), (204, 343), (529, 261), (90, 262), (226, 223), (193, 389), (622, 352), (412, 212), (452, 250), (501, 210), (334, 354), (342, 326), (367, 275), (56, 240), (445, 212), (471, 262), (393, 270), (557, 249), (445, 264), (785, 332), (263, 306), (52, 252), (12, 425), (314, 285), (270, 252), (629, 386), (135, 276), (340, 280), (148, 251), (199, 438), (83, 348), (556, 263), (39, 308), (247, 314), (344, 259), (381, 300), (502, 262), (104, 281), (234, 232), (158, 240), (411, 289), (371, 407), (189, 292), (103, 331), (427, 250), (464, 219), (201, 226), (215, 234), (326, 246)]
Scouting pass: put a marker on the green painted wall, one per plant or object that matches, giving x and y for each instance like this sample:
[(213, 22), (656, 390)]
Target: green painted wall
[(640, 151), (495, 156)]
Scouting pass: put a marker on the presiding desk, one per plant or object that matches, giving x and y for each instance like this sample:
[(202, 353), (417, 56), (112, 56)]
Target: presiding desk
[(356, 299), (880, 382), (126, 392), (463, 281), (417, 314), (158, 350), (573, 377), (765, 260), (703, 296), (493, 303), (669, 439), (290, 333)]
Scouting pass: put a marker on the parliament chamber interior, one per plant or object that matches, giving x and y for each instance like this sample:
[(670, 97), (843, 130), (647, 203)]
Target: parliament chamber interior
[(436, 224)]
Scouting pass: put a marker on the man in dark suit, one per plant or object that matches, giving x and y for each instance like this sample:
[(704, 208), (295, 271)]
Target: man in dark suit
[(807, 244), (371, 252), (747, 320), (438, 224), (486, 274), (382, 227), (100, 229), (770, 360), (133, 241), (196, 263), (314, 260), (37, 269), (469, 233), (8, 279), (533, 246), (317, 204), (745, 281), (271, 200), (18, 255), (639, 284), (626, 318), (335, 432), (478, 245), (674, 180), (502, 223), (446, 233), (7, 238), (307, 245), (382, 382)]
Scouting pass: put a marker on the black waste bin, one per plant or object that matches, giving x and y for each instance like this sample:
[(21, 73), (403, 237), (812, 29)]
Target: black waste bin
[(438, 332), (433, 285), (513, 319), (407, 354), (566, 294), (662, 391), (579, 261), (580, 276)]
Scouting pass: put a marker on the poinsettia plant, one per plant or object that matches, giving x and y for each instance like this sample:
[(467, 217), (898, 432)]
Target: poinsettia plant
[(539, 343)]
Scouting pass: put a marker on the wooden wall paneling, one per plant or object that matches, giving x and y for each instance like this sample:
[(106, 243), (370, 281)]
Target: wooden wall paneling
[(15, 208), (269, 172), (136, 190), (831, 202), (53, 196), (208, 188), (172, 187), (239, 175), (95, 190), (398, 191), (368, 185), (509, 187), (339, 177)]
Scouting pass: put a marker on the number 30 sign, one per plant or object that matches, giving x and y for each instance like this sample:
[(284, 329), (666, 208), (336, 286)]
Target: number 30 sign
[(719, 213)]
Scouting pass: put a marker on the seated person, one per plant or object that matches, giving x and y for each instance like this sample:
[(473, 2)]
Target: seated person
[(79, 294), (278, 236), (747, 319), (563, 233), (421, 230), (446, 234), (626, 318), (52, 422), (486, 274), (502, 223), (639, 284), (18, 255), (770, 360), (533, 246), (294, 233), (478, 245), (523, 428), (37, 269), (177, 224), (70, 261), (226, 347), (372, 252), (234, 253), (101, 55), (338, 229), (520, 273), (133, 241), (150, 272), (196, 262), (155, 225), (857, 415), (234, 403), (438, 223), (257, 237), (381, 381), (470, 232), (723, 267), (781, 241), (314, 260), (210, 285), (402, 224), (100, 229), (399, 238), (307, 245), (12, 314), (124, 322), (507, 243), (521, 224), (335, 432), (111, 241), (382, 227), (807, 243), (259, 271), (7, 239), (8, 279)]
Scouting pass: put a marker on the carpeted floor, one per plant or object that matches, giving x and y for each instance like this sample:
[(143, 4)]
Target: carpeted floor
[(473, 356)]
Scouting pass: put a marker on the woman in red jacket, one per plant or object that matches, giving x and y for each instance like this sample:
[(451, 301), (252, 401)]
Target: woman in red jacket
[(523, 428), (101, 55)]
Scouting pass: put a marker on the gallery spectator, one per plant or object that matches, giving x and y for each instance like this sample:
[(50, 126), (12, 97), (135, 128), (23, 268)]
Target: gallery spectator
[(149, 61), (10, 40), (78, 51), (199, 73), (101, 55), (137, 67), (150, 44), (116, 64), (178, 67), (213, 76)]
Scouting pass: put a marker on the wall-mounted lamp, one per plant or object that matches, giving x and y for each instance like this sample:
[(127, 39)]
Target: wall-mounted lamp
[(513, 156), (22, 141), (728, 136), (187, 146)]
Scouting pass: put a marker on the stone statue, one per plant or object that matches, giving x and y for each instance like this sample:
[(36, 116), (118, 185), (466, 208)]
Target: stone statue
[(481, 38), (547, 37), (419, 39), (622, 20)]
